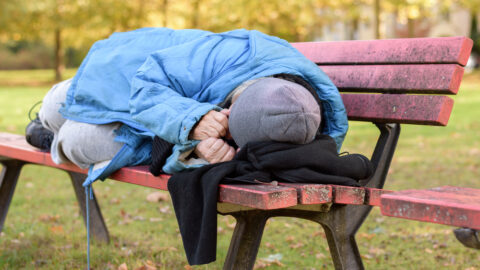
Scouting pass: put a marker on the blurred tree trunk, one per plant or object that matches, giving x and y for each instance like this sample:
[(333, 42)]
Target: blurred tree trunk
[(411, 27), (377, 18), (165, 12), (59, 66), (474, 33), (195, 13)]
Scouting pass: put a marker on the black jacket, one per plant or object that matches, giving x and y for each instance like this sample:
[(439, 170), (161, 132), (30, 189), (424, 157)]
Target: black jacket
[(194, 193)]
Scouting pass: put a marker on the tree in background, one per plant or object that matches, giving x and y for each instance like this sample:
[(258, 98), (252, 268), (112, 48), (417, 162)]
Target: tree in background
[(474, 7), (66, 24)]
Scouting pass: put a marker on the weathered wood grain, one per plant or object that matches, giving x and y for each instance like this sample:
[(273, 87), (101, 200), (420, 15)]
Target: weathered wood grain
[(391, 108), (264, 197), (418, 79), (445, 50), (455, 206), (14, 146)]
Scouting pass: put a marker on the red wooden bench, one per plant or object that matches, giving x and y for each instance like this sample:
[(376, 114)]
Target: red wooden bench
[(398, 69)]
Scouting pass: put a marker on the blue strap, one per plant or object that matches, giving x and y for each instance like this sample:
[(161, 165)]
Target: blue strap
[(88, 193)]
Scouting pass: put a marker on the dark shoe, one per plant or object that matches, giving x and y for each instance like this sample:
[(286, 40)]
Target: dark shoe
[(38, 136), (356, 166)]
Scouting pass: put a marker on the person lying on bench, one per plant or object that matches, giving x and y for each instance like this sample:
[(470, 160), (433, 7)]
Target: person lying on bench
[(138, 93), (173, 84)]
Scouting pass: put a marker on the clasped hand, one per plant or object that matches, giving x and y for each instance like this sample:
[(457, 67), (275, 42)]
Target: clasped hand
[(210, 130)]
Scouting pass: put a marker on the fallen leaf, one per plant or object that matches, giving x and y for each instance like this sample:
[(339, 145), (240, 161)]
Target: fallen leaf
[(150, 265), (123, 266), (146, 267), (49, 218), (290, 238), (168, 248), (29, 185), (442, 245), (376, 251), (188, 267), (269, 245), (366, 235), (320, 256), (297, 245), (158, 196), (319, 233), (429, 251), (115, 201), (165, 210), (56, 229), (278, 263), (366, 256), (155, 219)]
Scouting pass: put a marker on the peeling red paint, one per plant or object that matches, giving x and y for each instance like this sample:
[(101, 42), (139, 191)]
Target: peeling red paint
[(258, 196), (374, 195), (348, 195), (428, 79), (389, 108), (312, 193), (393, 51), (455, 206)]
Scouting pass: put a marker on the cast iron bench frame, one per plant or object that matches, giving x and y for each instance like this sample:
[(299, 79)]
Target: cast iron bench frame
[(390, 67)]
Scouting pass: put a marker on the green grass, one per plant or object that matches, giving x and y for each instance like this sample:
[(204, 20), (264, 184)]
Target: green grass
[(44, 230), (34, 77)]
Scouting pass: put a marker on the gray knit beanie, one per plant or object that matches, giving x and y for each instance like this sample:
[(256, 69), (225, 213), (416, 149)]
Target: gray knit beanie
[(273, 109)]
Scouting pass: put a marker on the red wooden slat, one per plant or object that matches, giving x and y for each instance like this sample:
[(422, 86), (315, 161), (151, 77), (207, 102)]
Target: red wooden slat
[(374, 195), (389, 108), (453, 206), (428, 79), (448, 50), (140, 175), (258, 196), (348, 195), (318, 194), (16, 147), (312, 193)]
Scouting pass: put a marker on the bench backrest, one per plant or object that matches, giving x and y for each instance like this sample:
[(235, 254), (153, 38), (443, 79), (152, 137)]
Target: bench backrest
[(427, 66)]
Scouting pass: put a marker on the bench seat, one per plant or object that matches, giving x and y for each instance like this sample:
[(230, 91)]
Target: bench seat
[(262, 196), (454, 206)]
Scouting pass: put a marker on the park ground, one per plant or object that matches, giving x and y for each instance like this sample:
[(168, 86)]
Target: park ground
[(44, 229)]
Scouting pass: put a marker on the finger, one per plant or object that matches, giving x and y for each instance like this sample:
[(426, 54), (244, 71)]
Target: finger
[(226, 112), (216, 129), (221, 118), (203, 146), (215, 147), (221, 152), (229, 155)]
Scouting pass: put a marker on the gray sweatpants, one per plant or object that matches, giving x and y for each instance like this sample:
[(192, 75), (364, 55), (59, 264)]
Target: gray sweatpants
[(80, 143)]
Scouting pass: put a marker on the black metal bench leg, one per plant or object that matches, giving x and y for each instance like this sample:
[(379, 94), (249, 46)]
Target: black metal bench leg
[(468, 237), (8, 182), (340, 226), (97, 224), (245, 240), (343, 248)]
